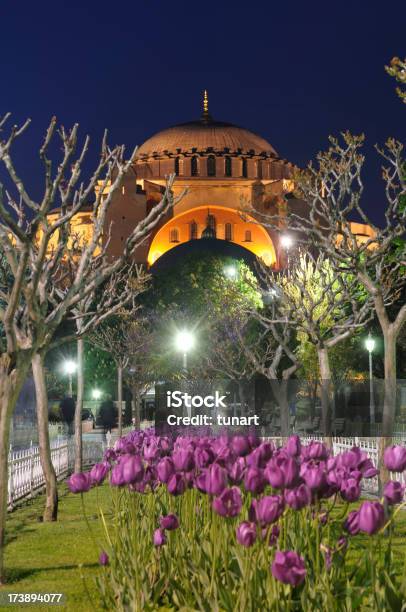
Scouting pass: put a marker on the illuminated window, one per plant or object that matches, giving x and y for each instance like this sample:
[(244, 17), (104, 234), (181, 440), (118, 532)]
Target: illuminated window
[(193, 230), (244, 168), (228, 231), (194, 166), (177, 166), (211, 166), (248, 237), (227, 168), (174, 235)]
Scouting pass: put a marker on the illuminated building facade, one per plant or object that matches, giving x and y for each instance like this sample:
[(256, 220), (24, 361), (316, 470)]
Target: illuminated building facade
[(225, 170)]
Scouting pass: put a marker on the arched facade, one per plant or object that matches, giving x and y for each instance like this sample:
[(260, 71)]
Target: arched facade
[(225, 218)]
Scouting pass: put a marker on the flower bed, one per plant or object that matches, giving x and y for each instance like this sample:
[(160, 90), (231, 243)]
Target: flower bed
[(238, 524)]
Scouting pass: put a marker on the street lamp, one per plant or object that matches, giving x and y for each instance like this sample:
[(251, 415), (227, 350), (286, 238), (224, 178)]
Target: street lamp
[(287, 243), (184, 341), (370, 345), (230, 272), (70, 368), (96, 394)]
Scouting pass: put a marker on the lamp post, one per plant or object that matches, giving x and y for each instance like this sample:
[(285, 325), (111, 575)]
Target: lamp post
[(96, 394), (370, 345), (231, 272), (287, 242), (184, 341), (70, 368)]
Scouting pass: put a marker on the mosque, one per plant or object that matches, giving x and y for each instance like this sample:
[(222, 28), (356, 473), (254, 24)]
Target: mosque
[(225, 169)]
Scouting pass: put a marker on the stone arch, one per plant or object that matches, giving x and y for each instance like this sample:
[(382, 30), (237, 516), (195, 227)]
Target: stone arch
[(261, 242)]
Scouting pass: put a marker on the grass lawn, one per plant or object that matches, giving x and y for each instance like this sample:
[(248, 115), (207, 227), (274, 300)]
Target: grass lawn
[(54, 557)]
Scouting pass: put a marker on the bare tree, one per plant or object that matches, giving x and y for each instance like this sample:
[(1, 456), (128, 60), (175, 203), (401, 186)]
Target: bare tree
[(129, 339), (332, 190), (323, 306), (35, 298), (270, 351)]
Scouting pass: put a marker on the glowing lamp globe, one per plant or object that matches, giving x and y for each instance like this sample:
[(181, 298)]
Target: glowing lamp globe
[(184, 341)]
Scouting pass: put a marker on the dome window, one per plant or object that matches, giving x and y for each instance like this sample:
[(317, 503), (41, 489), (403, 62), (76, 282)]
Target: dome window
[(177, 165), (211, 166), (227, 166), (244, 167), (174, 235), (248, 236), (193, 230), (194, 166), (228, 232)]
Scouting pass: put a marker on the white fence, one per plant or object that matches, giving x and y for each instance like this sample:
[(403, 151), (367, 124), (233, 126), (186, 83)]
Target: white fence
[(25, 475)]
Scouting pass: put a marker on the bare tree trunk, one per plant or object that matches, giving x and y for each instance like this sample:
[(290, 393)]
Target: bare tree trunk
[(325, 376), (51, 488), (389, 404), (11, 381), (136, 400), (280, 392), (120, 399), (79, 406)]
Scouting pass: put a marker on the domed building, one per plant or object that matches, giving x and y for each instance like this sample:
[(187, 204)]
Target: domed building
[(225, 170)]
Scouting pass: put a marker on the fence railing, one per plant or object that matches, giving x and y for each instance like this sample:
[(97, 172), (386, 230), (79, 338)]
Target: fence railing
[(25, 475)]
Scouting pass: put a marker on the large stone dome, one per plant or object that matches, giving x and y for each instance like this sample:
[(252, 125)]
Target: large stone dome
[(206, 135)]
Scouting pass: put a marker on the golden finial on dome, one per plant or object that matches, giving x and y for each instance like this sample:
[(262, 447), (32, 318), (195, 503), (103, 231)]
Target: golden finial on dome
[(205, 103), (205, 115)]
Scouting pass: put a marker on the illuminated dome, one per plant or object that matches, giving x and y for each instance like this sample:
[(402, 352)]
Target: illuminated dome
[(216, 136), (206, 134)]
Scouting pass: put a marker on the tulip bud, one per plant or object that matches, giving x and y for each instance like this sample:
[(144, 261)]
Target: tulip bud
[(394, 492), (371, 517), (288, 567), (169, 522), (79, 482), (394, 458), (159, 537), (246, 534)]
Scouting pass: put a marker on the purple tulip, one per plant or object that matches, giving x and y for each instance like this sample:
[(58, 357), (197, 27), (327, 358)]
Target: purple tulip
[(288, 567), (151, 451), (103, 558), (229, 502), (350, 490), (317, 450), (315, 477), (273, 536), (293, 446), (116, 477), (215, 479), (159, 537), (394, 458), (203, 457), (132, 469), (342, 543), (254, 480), (394, 492), (240, 446), (351, 523), (298, 498), (236, 470), (183, 459), (79, 482), (98, 473), (246, 534), (274, 474), (176, 484), (110, 455), (169, 522), (165, 469), (268, 509), (371, 517)]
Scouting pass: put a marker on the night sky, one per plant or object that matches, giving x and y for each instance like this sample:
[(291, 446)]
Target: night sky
[(293, 72)]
